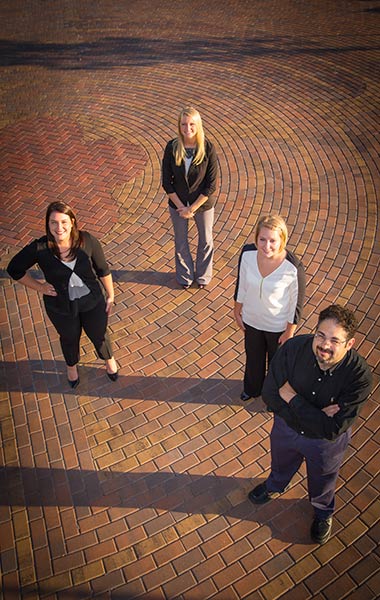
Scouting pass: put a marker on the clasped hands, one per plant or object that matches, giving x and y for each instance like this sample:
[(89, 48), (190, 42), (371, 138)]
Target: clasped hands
[(186, 212), (287, 393)]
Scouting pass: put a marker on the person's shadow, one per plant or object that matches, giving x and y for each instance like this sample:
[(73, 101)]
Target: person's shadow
[(160, 278), (156, 278), (182, 494), (108, 52), (49, 376)]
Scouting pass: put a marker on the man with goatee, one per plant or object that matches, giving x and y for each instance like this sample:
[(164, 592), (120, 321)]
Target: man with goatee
[(316, 387)]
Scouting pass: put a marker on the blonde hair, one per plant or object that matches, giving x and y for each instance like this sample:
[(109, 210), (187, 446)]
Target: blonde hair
[(178, 144), (273, 222)]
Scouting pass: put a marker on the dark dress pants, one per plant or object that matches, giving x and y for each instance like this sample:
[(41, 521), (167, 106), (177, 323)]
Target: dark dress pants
[(323, 461), (260, 347), (93, 322)]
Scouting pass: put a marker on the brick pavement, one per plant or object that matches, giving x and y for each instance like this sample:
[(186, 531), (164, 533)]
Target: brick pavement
[(138, 489)]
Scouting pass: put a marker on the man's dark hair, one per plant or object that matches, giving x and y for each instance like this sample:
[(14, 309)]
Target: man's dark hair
[(342, 316)]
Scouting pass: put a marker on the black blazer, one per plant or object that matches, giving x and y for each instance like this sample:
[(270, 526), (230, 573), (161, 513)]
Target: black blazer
[(201, 179), (91, 264)]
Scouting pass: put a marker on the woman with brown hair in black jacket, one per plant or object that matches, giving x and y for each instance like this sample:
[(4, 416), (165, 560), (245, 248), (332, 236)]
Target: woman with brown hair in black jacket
[(76, 273)]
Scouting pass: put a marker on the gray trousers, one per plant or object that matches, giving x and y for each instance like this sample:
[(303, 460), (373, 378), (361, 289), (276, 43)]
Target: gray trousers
[(184, 265)]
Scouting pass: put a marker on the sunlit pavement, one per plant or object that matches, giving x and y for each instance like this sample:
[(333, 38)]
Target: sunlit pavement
[(138, 489)]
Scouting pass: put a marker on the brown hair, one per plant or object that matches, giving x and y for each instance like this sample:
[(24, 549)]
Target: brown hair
[(75, 234)]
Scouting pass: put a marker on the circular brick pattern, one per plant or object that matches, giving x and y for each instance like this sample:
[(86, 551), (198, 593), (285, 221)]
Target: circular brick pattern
[(138, 489)]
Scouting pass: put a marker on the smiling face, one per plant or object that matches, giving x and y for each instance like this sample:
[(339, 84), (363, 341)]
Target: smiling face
[(60, 226), (188, 128), (330, 343), (269, 242)]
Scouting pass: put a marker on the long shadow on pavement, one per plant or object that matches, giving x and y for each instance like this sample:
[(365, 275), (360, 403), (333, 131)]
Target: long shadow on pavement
[(140, 51), (48, 377), (179, 493)]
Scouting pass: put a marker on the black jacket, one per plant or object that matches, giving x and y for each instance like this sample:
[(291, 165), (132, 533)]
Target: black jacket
[(201, 179), (91, 264)]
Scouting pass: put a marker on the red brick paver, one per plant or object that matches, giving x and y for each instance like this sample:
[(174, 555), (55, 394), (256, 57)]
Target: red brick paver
[(138, 489)]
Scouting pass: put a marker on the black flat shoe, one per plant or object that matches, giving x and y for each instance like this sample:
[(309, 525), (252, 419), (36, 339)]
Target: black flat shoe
[(321, 530), (73, 383), (186, 286), (245, 397), (260, 494), (112, 376)]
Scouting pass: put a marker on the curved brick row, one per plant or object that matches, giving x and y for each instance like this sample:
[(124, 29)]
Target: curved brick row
[(138, 489)]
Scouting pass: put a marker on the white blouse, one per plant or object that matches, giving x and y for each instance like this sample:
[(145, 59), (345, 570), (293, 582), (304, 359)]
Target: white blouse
[(269, 303)]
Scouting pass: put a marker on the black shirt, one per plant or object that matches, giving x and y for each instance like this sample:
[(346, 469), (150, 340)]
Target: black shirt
[(91, 264), (348, 384)]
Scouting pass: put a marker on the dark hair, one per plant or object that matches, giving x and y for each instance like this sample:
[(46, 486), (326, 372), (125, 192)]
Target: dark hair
[(75, 235), (342, 316)]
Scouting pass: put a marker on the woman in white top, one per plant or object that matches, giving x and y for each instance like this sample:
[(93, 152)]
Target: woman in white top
[(269, 297), (76, 275)]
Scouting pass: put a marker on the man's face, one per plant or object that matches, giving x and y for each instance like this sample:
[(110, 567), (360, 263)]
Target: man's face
[(330, 343)]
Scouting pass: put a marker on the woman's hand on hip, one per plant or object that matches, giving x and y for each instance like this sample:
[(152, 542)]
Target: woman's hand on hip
[(47, 289)]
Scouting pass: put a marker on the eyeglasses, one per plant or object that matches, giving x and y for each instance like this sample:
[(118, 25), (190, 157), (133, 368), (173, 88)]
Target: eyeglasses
[(333, 341)]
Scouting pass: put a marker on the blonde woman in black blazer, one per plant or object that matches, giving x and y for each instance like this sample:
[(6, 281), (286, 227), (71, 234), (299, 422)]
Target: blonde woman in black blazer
[(189, 171), (76, 274)]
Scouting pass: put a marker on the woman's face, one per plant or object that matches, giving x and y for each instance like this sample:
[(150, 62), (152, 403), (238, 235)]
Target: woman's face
[(60, 226), (188, 129), (269, 242)]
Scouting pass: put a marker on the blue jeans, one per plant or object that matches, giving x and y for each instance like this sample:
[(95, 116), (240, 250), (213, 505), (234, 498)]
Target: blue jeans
[(184, 265)]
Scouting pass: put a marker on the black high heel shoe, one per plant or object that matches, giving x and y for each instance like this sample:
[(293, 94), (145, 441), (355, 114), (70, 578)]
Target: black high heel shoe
[(112, 376), (73, 383)]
